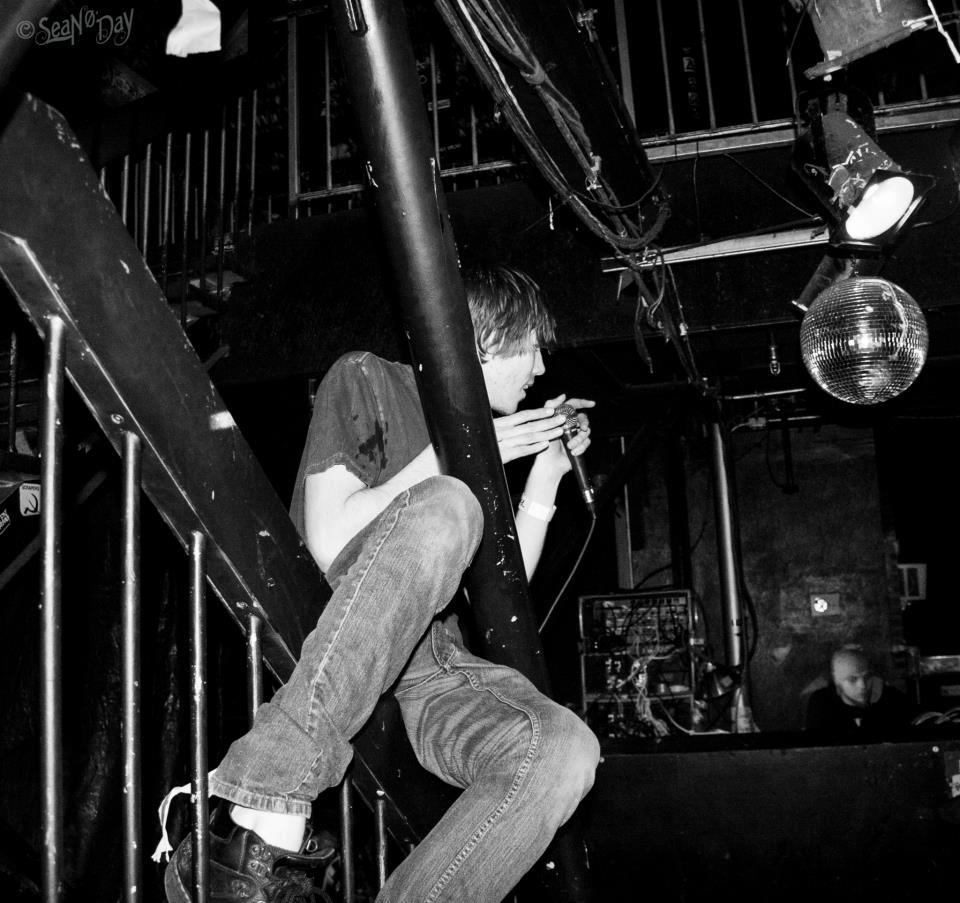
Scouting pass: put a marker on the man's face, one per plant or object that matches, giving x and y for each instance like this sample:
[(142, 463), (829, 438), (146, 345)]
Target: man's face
[(853, 681), (508, 376)]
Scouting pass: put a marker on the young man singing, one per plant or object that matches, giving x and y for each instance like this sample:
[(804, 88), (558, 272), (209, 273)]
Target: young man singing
[(394, 537)]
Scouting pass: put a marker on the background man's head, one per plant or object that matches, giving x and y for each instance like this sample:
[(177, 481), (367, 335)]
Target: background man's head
[(852, 676)]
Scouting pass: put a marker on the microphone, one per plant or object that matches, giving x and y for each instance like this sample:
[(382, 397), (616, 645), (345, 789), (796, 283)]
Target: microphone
[(570, 429)]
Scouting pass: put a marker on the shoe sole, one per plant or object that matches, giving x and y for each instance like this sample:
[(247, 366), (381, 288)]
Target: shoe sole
[(173, 886)]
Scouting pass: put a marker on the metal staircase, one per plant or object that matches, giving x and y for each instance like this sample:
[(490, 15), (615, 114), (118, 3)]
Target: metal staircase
[(79, 276)]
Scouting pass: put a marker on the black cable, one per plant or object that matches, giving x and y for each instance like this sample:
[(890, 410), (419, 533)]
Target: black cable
[(573, 570), (769, 187), (793, 40)]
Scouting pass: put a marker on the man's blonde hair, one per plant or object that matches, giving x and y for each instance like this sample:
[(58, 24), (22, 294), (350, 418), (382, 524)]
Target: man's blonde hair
[(506, 305)]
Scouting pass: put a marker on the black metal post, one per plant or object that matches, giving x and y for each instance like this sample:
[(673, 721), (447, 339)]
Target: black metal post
[(254, 666), (132, 785), (405, 186), (346, 839), (741, 719), (221, 194), (198, 717), (13, 369), (380, 821), (51, 690), (729, 587), (404, 180), (185, 236)]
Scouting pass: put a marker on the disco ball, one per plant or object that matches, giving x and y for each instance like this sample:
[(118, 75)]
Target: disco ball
[(864, 340)]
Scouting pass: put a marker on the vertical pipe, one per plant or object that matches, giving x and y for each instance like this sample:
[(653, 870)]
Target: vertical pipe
[(125, 188), (327, 118), (13, 368), (202, 213), (254, 666), (221, 199), (198, 718), (474, 149), (706, 65), (253, 161), (746, 61), (185, 236), (435, 113), (380, 813), (293, 120), (165, 222), (137, 227), (132, 786), (346, 840), (235, 206), (148, 162), (51, 492), (729, 589), (623, 53), (671, 120), (623, 534)]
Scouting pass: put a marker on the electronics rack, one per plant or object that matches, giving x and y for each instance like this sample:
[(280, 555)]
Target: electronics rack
[(637, 663)]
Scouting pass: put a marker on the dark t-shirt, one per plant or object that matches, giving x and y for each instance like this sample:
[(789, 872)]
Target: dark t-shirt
[(367, 416), (827, 713)]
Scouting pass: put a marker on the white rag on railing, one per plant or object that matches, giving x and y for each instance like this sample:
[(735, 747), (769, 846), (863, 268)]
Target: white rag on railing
[(198, 30), (164, 848)]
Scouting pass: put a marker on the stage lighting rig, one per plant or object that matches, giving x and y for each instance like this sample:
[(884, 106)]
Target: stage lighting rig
[(867, 196)]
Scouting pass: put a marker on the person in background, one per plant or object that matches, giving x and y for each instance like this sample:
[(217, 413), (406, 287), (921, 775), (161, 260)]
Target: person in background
[(857, 702)]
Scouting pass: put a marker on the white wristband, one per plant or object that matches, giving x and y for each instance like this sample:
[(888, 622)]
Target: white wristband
[(535, 509)]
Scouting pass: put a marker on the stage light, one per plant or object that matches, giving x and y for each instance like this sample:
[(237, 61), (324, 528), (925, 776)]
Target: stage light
[(866, 194), (849, 30), (864, 340)]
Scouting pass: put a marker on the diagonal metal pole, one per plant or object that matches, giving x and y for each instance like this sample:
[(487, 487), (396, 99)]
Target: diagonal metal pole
[(404, 181), (405, 187)]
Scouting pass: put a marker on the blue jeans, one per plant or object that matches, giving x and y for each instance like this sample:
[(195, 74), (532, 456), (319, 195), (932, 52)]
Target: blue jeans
[(523, 761)]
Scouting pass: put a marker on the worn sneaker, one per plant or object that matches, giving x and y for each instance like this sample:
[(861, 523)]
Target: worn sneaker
[(246, 869)]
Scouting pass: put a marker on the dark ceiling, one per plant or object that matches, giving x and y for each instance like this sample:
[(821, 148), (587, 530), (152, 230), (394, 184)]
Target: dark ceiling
[(735, 309)]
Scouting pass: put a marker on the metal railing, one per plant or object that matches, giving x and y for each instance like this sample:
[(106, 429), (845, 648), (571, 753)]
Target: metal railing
[(52, 794), (698, 76), (711, 76), (188, 198)]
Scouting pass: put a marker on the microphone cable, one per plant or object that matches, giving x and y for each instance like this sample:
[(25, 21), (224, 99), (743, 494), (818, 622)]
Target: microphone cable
[(573, 570)]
